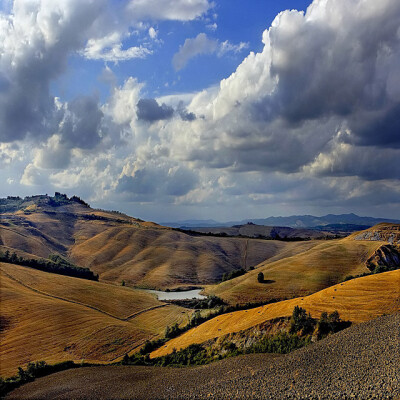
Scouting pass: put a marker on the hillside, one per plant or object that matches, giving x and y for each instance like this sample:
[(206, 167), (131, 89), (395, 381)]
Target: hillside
[(54, 318), (357, 300), (316, 268), (360, 362), (118, 247)]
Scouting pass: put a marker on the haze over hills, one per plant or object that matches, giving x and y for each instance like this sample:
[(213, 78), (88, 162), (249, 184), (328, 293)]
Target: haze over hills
[(119, 247), (294, 221)]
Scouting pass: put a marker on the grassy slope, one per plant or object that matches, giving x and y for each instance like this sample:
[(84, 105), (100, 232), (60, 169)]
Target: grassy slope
[(358, 300), (164, 258), (36, 326), (314, 269), (119, 247)]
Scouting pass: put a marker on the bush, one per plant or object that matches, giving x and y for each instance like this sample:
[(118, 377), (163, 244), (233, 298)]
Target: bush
[(301, 322), (260, 277), (233, 274)]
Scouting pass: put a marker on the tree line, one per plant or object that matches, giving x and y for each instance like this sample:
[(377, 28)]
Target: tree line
[(54, 264)]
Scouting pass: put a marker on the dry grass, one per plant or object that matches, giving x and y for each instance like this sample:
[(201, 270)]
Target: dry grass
[(323, 265), (164, 258), (36, 326), (356, 300), (118, 247)]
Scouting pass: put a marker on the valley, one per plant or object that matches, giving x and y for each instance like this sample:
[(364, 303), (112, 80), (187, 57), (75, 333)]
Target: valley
[(56, 318)]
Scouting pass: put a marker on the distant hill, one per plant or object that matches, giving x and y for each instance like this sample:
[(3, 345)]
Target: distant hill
[(252, 230), (118, 247), (316, 268), (294, 221)]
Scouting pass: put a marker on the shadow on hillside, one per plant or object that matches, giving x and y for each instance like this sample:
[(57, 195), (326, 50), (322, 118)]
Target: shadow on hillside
[(267, 281)]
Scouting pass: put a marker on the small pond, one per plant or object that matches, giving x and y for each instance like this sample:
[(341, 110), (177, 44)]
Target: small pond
[(183, 295)]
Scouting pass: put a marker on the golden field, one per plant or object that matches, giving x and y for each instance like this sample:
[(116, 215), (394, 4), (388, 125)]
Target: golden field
[(51, 317), (357, 300), (323, 265), (118, 247)]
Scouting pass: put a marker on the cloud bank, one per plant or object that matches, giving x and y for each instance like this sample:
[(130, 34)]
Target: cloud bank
[(312, 119)]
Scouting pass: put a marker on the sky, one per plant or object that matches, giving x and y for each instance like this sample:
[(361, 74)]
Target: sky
[(197, 109)]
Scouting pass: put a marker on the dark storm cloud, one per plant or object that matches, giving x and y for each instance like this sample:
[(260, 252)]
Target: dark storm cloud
[(332, 69), (149, 110), (156, 182), (31, 58), (82, 122), (378, 129), (335, 63)]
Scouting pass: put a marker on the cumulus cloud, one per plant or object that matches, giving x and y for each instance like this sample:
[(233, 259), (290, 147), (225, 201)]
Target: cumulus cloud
[(202, 44), (312, 119), (155, 181), (109, 48), (35, 41), (150, 110), (329, 68)]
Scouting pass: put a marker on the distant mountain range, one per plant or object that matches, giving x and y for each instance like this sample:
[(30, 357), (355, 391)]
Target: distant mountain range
[(294, 221)]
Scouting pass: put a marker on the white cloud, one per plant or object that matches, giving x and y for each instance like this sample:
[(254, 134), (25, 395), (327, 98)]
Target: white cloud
[(180, 10), (152, 33), (226, 47), (109, 48), (201, 44), (312, 119), (212, 27)]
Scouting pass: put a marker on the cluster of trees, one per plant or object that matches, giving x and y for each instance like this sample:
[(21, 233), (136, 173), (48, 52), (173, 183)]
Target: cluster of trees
[(77, 199), (54, 264), (304, 324), (233, 274)]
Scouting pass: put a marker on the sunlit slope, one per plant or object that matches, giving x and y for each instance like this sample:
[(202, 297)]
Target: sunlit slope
[(53, 318), (119, 247), (357, 300), (315, 269), (164, 258), (43, 229)]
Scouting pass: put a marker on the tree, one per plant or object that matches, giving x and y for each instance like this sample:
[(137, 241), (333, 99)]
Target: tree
[(260, 277)]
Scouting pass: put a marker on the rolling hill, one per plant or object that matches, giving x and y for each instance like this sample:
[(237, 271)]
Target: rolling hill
[(52, 317), (357, 300), (118, 247), (323, 265)]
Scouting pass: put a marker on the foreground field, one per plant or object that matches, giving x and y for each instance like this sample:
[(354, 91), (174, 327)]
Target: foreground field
[(357, 300), (54, 318), (360, 362), (300, 274)]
